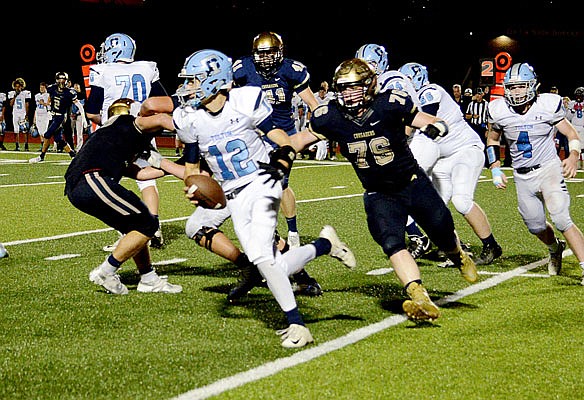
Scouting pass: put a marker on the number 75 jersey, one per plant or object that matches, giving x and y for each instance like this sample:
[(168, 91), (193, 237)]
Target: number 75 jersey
[(530, 136)]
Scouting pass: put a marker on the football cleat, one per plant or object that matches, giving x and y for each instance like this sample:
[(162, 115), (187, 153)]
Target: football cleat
[(419, 245), (293, 240), (339, 250), (489, 254), (467, 267), (309, 288), (160, 285), (295, 336), (3, 251), (111, 283), (250, 278), (420, 307), (35, 160), (157, 240), (555, 263)]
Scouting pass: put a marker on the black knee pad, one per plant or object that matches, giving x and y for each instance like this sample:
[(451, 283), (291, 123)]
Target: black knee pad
[(207, 233)]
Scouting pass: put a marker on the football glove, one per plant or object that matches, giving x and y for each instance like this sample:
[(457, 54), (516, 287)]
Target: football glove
[(435, 130), (280, 164), (155, 159)]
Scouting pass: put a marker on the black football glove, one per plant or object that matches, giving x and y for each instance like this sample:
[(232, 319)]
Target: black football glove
[(280, 164), (435, 130)]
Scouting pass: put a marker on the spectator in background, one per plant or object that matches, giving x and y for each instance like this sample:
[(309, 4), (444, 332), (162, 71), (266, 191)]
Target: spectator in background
[(78, 121), (42, 115), (457, 95), (3, 98), (19, 99), (466, 99)]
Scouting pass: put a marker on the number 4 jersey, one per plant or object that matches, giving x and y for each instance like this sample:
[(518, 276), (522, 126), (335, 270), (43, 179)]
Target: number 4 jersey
[(530, 136)]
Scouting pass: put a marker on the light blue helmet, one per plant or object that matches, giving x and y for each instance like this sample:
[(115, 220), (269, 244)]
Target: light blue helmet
[(375, 55), (417, 73), (117, 47), (23, 125), (212, 69), (520, 84)]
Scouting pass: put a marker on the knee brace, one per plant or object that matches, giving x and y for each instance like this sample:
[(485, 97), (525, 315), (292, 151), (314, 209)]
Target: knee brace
[(208, 234)]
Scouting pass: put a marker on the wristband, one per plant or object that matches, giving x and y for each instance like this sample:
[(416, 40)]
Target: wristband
[(493, 154), (497, 175), (574, 145)]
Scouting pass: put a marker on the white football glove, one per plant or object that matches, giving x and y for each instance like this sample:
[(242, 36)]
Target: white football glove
[(155, 159), (321, 150)]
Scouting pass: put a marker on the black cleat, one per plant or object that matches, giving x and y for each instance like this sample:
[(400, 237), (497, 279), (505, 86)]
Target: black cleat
[(489, 254), (310, 288), (250, 278), (419, 245)]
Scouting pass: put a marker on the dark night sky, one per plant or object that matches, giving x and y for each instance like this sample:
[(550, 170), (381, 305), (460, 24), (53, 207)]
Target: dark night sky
[(319, 34)]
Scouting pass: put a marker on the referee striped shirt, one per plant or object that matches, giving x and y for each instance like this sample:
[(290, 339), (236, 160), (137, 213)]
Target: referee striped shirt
[(477, 111)]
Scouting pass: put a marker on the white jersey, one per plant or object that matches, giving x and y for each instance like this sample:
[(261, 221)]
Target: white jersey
[(530, 136), (393, 79), (229, 141), (299, 119), (19, 108), (460, 134), (42, 110), (575, 114), (3, 98), (120, 80)]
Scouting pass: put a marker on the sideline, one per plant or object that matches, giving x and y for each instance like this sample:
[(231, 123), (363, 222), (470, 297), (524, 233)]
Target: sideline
[(311, 353)]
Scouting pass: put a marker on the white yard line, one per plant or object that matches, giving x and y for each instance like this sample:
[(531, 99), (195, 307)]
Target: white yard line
[(280, 364)]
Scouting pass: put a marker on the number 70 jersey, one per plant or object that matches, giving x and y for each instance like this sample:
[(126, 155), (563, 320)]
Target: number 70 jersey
[(530, 136)]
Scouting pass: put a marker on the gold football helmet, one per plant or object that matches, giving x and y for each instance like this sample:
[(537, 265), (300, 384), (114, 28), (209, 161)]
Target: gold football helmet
[(19, 81), (121, 106), (268, 52), (355, 84)]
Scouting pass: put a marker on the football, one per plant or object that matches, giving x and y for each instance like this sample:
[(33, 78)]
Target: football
[(207, 191)]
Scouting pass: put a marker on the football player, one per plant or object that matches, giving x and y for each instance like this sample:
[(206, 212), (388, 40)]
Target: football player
[(222, 125), (575, 114), (377, 57), (370, 128), (19, 99), (116, 76), (457, 166), (279, 77), (61, 98), (526, 119), (92, 184)]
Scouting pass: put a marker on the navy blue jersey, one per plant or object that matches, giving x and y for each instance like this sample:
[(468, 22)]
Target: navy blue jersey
[(375, 144), (109, 150), (292, 76), (61, 99)]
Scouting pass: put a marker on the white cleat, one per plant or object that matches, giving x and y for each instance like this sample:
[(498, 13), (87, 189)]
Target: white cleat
[(293, 239), (160, 285), (339, 250), (35, 160), (111, 283), (295, 336)]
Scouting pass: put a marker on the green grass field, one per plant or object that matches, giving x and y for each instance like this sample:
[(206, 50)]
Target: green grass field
[(516, 333)]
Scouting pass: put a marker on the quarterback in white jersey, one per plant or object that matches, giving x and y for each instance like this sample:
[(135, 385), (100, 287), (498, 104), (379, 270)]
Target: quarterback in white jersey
[(456, 169), (222, 126), (527, 120), (119, 76)]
